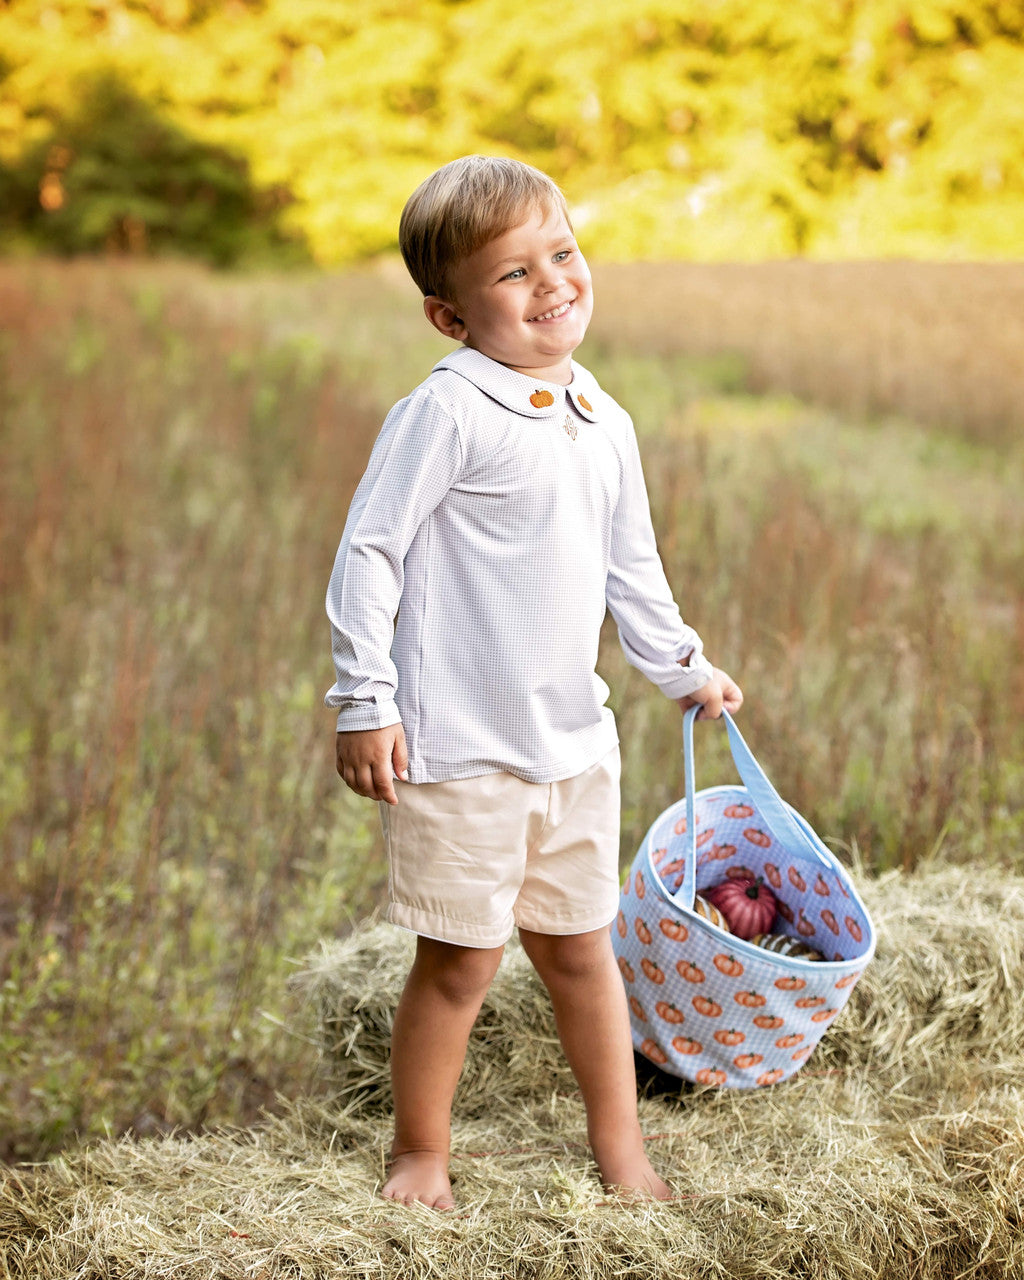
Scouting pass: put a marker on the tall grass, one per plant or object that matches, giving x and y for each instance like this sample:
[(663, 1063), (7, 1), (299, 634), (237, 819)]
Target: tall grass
[(179, 451), (939, 342)]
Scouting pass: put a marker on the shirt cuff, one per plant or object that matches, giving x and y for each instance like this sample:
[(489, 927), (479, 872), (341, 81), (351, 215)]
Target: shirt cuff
[(367, 715), (695, 675)]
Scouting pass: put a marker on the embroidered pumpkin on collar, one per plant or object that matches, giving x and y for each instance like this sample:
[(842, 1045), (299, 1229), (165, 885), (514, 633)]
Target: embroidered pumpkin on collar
[(542, 399)]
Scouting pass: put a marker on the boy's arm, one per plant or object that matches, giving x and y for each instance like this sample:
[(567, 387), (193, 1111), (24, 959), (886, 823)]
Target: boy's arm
[(416, 459), (654, 637)]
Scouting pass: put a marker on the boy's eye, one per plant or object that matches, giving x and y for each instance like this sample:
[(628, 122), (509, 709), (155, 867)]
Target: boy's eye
[(562, 255), (515, 275)]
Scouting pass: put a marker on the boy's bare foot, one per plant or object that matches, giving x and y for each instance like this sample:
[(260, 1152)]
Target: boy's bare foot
[(419, 1177), (633, 1178)]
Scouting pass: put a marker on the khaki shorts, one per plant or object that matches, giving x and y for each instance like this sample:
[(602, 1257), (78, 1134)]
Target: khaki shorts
[(471, 860)]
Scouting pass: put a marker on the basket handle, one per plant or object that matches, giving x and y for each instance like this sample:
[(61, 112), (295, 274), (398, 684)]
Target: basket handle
[(777, 817)]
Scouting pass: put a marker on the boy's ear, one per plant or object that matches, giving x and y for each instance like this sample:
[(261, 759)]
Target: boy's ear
[(443, 317)]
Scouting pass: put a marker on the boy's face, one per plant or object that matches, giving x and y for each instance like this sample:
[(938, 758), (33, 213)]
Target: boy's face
[(524, 299)]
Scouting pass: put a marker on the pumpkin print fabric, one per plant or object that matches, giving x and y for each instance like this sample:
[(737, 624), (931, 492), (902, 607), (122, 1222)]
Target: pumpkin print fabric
[(716, 1008)]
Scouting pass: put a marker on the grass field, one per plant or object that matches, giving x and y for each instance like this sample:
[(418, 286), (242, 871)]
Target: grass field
[(179, 450)]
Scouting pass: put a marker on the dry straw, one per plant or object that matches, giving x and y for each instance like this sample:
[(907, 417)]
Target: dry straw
[(897, 1152)]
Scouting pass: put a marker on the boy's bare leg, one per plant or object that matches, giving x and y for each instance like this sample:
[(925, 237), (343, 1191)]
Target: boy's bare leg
[(580, 972), (435, 1015)]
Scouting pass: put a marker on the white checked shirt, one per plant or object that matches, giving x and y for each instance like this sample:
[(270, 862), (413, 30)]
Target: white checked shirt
[(498, 518)]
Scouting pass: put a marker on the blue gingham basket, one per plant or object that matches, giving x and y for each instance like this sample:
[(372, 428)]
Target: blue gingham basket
[(705, 1005)]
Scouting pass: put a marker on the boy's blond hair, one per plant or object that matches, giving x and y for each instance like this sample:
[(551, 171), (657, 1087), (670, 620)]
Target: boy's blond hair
[(463, 206)]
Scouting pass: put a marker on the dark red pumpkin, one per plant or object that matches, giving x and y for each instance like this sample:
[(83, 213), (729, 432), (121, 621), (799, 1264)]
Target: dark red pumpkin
[(748, 905)]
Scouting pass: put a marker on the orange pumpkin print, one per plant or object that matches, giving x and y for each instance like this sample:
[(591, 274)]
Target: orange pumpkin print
[(625, 884), (626, 969), (686, 1045), (621, 925), (760, 838), (750, 999), (705, 836), (739, 810), (728, 965), (674, 929), (784, 910), (768, 1022), (652, 971), (790, 983), (542, 399), (747, 1060), (804, 926), (787, 1042), (585, 402), (688, 970), (830, 922), (730, 1038), (637, 1008), (771, 1077), (721, 852), (823, 1015), (740, 873), (680, 827), (706, 1006), (796, 879), (711, 1075), (653, 1051), (805, 1052), (848, 981), (641, 888), (642, 931), (821, 888), (771, 871), (657, 856), (677, 864), (667, 1012), (854, 929), (810, 1002)]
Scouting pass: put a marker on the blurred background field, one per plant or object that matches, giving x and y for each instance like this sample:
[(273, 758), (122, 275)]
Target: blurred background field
[(179, 450)]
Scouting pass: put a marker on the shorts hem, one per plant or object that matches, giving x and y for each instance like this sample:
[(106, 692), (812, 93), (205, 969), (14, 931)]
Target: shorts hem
[(460, 933), (567, 926)]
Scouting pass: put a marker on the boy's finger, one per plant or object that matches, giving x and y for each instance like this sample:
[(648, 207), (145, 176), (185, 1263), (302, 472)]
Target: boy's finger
[(383, 786), (400, 755), (712, 707)]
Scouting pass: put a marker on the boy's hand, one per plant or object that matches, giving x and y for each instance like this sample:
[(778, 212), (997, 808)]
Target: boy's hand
[(368, 760), (720, 691)]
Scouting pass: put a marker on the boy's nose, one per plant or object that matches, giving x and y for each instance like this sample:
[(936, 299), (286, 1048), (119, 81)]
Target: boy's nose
[(550, 278)]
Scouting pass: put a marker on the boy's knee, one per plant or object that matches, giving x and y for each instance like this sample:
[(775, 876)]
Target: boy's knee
[(457, 974), (569, 957)]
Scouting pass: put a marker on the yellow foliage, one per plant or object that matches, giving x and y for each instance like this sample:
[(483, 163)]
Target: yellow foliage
[(735, 129)]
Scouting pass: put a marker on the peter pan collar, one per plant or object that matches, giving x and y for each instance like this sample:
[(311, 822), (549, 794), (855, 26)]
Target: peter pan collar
[(526, 396)]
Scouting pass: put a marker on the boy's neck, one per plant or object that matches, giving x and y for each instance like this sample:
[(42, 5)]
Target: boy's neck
[(560, 373)]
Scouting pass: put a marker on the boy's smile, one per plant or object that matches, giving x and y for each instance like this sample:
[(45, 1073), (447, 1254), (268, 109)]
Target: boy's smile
[(524, 299)]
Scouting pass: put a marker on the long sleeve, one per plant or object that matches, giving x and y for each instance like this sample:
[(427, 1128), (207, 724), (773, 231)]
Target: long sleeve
[(414, 462), (653, 635)]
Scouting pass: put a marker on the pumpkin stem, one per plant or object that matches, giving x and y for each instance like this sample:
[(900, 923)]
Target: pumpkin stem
[(754, 888)]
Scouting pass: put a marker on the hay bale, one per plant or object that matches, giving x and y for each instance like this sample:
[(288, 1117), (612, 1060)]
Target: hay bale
[(818, 1179), (944, 988), (898, 1152), (942, 993)]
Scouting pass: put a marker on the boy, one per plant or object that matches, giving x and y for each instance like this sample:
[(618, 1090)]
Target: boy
[(502, 511)]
